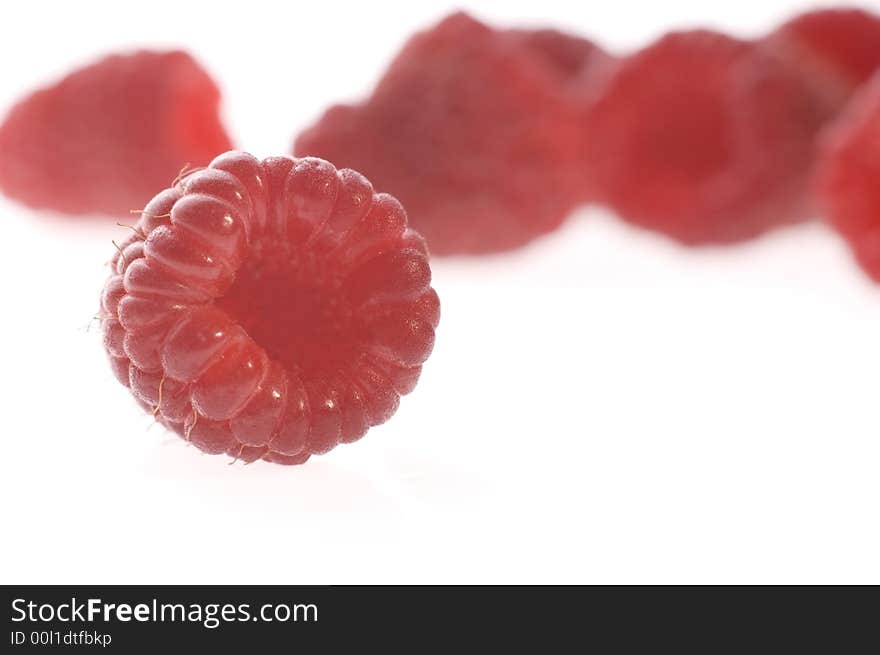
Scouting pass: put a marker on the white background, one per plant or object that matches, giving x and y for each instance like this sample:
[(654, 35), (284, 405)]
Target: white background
[(603, 407)]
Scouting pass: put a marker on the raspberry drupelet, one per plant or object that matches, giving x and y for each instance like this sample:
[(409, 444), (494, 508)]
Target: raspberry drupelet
[(105, 137), (270, 309)]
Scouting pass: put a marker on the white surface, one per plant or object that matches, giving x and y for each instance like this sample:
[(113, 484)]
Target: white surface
[(602, 407)]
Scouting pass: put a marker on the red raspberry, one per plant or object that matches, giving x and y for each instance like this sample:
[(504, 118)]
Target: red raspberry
[(270, 309), (105, 137), (471, 129), (834, 50), (703, 138), (848, 180)]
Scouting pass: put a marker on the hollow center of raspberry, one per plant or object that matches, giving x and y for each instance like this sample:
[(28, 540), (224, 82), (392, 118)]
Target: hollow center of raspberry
[(294, 307)]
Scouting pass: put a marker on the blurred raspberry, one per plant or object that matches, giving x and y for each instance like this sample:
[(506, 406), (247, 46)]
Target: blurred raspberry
[(834, 50), (848, 181), (104, 138), (473, 130), (703, 138)]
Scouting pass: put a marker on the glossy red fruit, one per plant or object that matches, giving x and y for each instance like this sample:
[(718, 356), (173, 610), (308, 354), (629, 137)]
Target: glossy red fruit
[(703, 138), (472, 129), (834, 50), (270, 310), (104, 138), (848, 181)]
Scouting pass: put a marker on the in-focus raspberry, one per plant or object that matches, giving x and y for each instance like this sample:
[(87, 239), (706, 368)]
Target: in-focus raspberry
[(270, 309), (472, 129), (104, 138), (848, 179), (703, 138)]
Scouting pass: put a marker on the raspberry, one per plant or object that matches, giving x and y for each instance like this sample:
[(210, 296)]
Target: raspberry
[(834, 50), (105, 137), (270, 309), (703, 138), (848, 179), (471, 129)]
